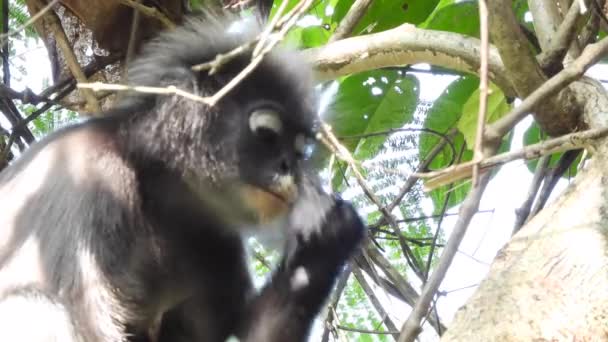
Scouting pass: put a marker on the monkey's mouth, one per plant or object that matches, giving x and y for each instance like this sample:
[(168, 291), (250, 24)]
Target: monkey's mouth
[(267, 204), (277, 195)]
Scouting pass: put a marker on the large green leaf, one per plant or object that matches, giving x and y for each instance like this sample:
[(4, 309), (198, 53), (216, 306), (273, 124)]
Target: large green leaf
[(444, 115), (387, 14), (396, 107), (371, 102), (497, 108), (461, 17)]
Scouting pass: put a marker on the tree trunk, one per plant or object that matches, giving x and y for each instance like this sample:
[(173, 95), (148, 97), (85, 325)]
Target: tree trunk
[(550, 283)]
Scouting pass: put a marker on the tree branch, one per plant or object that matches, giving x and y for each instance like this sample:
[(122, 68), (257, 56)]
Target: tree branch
[(411, 327), (403, 45), (352, 18), (54, 24)]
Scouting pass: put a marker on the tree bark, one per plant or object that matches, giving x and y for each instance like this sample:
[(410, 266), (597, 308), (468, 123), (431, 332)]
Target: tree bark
[(550, 283)]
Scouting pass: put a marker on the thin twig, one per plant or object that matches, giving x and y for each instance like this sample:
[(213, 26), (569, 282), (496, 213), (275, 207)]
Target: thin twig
[(444, 208), (330, 140), (5, 48), (333, 301), (30, 21), (350, 20), (444, 136), (590, 55), (302, 7), (170, 90), (223, 58), (151, 12), (564, 143), (269, 28), (560, 41), (61, 38), (551, 180), (483, 87), (411, 328), (367, 331), (522, 213), (390, 325)]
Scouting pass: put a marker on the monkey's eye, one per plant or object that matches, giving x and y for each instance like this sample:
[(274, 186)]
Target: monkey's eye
[(265, 119), (304, 146), (266, 123)]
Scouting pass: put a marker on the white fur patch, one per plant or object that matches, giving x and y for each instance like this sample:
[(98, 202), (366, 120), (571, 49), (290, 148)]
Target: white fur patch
[(265, 118), (309, 212), (232, 338), (299, 279)]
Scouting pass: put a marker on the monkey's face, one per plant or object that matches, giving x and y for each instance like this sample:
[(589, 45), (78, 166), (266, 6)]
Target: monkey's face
[(271, 152)]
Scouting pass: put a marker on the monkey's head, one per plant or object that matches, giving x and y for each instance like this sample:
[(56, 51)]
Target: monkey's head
[(247, 151)]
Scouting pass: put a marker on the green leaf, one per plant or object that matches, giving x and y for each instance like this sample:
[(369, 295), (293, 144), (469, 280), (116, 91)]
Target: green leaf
[(386, 14), (370, 102), (443, 115), (462, 17), (277, 4), (533, 135), (497, 108), (314, 36), (396, 106)]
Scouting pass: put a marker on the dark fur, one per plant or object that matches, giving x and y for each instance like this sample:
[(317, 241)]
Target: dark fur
[(129, 218)]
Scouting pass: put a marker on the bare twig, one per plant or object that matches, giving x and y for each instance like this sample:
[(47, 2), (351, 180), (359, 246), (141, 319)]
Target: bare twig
[(522, 213), (223, 58), (564, 143), (25, 96), (70, 58), (260, 257), (483, 87), (560, 41), (350, 20), (269, 28), (98, 64), (444, 208), (407, 292), (590, 55), (170, 90), (5, 48), (551, 180), (411, 327), (333, 301), (286, 25), (30, 21), (390, 325), (424, 165), (367, 331), (151, 12), (63, 93), (330, 140), (421, 218), (444, 137)]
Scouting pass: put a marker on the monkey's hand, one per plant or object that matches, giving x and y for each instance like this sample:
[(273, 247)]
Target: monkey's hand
[(324, 233)]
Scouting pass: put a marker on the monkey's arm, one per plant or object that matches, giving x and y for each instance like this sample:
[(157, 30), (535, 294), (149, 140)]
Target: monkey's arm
[(315, 255)]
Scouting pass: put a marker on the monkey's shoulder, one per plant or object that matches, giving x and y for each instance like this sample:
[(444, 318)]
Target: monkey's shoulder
[(84, 153)]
